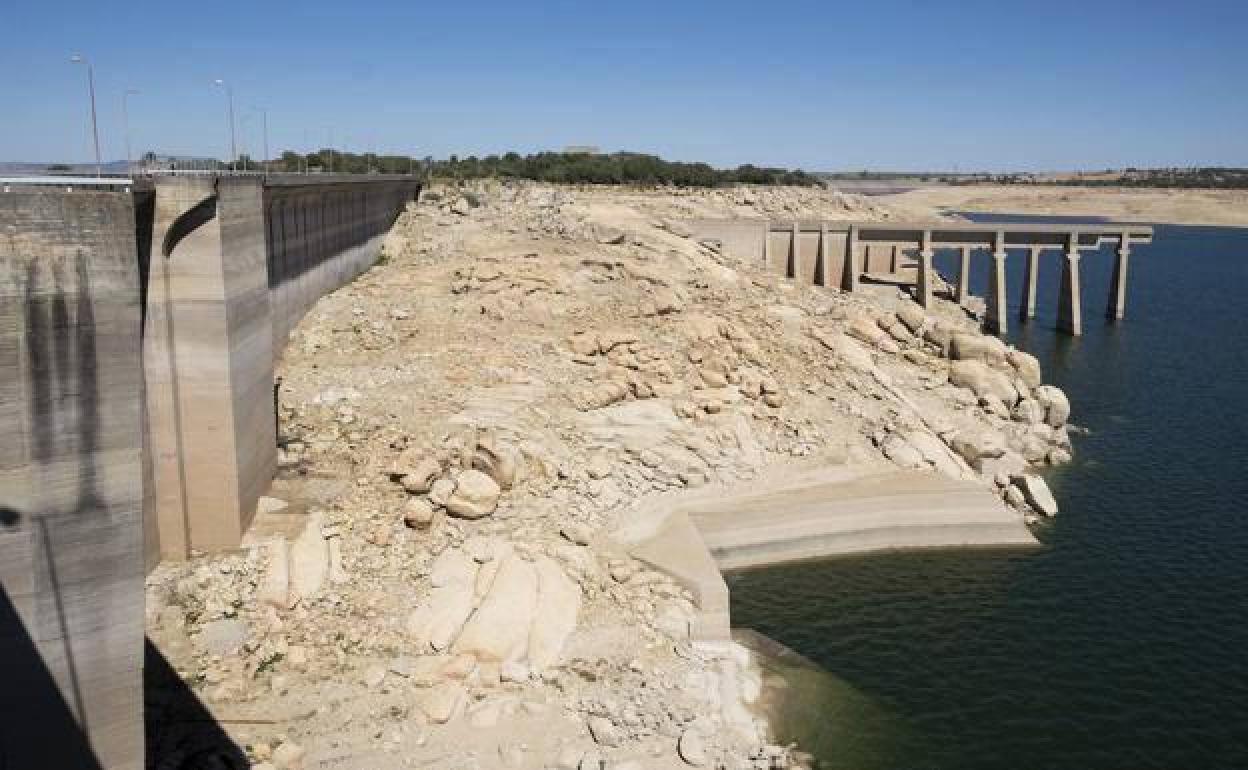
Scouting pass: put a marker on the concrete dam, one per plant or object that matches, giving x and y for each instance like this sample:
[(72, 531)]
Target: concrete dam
[(140, 323), (139, 326)]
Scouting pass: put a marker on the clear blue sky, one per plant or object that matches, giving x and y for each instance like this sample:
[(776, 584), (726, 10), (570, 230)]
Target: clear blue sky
[(881, 84)]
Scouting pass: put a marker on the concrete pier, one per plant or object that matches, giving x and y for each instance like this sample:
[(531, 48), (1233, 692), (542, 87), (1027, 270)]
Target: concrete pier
[(1069, 301), (1031, 273), (964, 275), (1117, 306), (998, 299), (926, 271), (877, 251)]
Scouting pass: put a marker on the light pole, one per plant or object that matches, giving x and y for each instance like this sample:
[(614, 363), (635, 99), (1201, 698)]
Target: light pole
[(229, 94), (125, 121), (264, 116), (95, 131)]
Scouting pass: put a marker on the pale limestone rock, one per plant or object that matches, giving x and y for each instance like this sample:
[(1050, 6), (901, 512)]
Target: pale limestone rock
[(865, 329), (443, 702), (475, 496), (223, 637), (274, 589), (977, 347), (897, 449), (270, 505), (499, 629), (972, 445), (337, 573), (1057, 406), (558, 604), (1028, 411), (1027, 366), (604, 731), (912, 316), (440, 491), (437, 623), (1037, 493), (288, 756), (511, 671), (309, 560), (1059, 456), (935, 452), (982, 380), (576, 533), (418, 513), (419, 478), (692, 748)]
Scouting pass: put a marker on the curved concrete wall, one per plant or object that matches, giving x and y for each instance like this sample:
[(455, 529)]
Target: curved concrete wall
[(225, 290)]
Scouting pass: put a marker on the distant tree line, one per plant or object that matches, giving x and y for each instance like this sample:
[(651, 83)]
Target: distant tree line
[(1208, 177), (586, 168)]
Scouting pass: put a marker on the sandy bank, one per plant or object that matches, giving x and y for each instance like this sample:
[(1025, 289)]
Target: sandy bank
[(1189, 207)]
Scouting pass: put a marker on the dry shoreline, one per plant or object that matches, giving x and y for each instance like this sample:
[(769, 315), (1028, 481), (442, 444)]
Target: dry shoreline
[(529, 371), (1152, 206)]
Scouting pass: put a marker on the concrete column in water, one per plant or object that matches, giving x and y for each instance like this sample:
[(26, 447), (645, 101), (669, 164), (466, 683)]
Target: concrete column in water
[(1117, 307), (849, 277), (794, 255), (925, 270), (998, 300), (964, 275), (1027, 308), (822, 275), (1069, 311)]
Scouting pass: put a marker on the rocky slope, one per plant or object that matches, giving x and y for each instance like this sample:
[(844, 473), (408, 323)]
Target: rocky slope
[(464, 425)]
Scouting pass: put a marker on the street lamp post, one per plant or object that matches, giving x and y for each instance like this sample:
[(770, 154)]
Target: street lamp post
[(264, 116), (125, 121), (95, 131), (229, 94)]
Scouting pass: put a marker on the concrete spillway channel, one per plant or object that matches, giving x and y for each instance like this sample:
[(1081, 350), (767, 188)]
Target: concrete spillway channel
[(789, 515)]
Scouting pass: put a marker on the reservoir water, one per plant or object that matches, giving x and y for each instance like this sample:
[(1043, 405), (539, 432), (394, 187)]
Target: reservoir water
[(1124, 642)]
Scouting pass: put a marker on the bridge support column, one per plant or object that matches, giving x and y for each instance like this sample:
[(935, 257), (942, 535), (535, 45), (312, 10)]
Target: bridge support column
[(821, 275), (767, 246), (998, 299), (1117, 307), (849, 276), (1027, 309), (795, 256), (926, 275), (964, 275), (1069, 310)]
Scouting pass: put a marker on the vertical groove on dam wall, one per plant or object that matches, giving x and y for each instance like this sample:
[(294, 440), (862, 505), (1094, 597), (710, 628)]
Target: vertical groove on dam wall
[(71, 480)]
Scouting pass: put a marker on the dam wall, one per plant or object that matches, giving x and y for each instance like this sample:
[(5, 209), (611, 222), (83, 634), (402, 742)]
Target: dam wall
[(236, 263), (139, 327), (71, 477)]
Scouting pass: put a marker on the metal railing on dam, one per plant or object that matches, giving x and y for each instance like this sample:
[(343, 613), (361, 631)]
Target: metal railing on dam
[(833, 253), (139, 325)]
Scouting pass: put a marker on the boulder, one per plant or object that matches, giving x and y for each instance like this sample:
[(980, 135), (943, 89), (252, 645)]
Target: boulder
[(1027, 366), (576, 533), (692, 748), (1055, 403), (558, 604), (897, 449), (912, 316), (604, 731), (975, 445), (443, 702), (438, 623), (939, 335), (982, 380), (865, 329), (418, 513), (418, 478), (440, 491), (1037, 493), (274, 588), (1028, 411), (309, 560), (475, 496), (499, 629), (1007, 464), (977, 347), (223, 637)]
